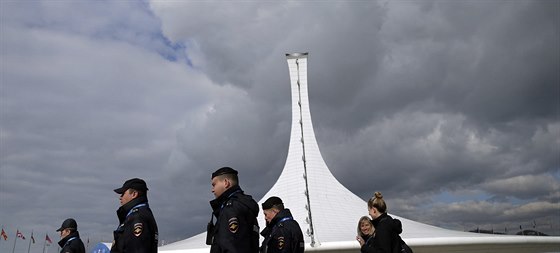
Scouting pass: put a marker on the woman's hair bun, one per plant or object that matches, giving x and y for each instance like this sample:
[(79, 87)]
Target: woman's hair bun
[(378, 195)]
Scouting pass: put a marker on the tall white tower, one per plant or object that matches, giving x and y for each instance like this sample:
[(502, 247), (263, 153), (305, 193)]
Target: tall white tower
[(324, 208)]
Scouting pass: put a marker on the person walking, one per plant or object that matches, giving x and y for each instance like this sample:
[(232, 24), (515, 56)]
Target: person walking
[(70, 241), (137, 231), (282, 233), (236, 229)]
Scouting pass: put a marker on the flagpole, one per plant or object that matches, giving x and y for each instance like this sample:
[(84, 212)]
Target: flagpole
[(44, 243), (15, 239), (30, 239)]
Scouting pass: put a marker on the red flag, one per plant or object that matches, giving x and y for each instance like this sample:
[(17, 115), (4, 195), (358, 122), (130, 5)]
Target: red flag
[(4, 235), (48, 239), (20, 235)]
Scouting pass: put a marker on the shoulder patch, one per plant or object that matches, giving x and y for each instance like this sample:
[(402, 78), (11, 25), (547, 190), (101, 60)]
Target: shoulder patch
[(281, 242), (138, 228), (233, 225)]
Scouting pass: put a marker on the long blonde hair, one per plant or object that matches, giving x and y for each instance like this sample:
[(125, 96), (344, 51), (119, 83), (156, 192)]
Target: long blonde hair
[(377, 202), (364, 218)]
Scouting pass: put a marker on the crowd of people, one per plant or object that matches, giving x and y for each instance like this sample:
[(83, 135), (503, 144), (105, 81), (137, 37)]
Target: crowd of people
[(236, 229)]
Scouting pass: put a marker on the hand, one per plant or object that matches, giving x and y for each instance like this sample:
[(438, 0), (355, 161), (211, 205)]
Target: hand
[(360, 240)]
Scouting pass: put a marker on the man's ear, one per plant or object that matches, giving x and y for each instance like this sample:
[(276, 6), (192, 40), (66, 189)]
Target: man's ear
[(134, 194), (227, 182)]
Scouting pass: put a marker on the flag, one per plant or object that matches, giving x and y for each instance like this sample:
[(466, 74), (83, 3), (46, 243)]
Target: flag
[(48, 239), (20, 235), (32, 238), (4, 235)]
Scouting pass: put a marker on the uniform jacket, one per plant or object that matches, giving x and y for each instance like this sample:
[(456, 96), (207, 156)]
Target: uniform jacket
[(72, 243), (386, 231), (236, 229), (282, 235), (137, 232)]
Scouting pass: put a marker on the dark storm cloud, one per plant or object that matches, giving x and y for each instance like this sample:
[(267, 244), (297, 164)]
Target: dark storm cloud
[(445, 96)]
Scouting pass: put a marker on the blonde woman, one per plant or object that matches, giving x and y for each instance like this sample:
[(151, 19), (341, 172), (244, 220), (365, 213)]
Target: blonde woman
[(366, 232), (386, 228)]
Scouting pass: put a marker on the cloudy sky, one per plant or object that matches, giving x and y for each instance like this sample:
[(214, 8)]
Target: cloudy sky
[(450, 108)]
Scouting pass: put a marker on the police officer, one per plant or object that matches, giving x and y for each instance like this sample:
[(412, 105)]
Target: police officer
[(236, 229), (70, 241), (137, 232), (282, 232)]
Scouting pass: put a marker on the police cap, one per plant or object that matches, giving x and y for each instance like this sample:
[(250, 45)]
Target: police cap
[(271, 202), (135, 183), (68, 223)]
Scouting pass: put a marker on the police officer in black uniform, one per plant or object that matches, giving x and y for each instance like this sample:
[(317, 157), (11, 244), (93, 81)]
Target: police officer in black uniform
[(70, 241), (282, 233), (137, 232), (236, 229)]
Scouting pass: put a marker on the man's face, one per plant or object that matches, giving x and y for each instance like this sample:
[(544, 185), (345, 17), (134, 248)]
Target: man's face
[(63, 233), (127, 196), (219, 186), (269, 214)]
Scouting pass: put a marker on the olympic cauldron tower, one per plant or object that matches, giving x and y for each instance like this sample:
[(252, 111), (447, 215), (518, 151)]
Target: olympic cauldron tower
[(324, 208)]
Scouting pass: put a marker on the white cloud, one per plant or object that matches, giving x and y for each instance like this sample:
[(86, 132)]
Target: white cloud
[(526, 186)]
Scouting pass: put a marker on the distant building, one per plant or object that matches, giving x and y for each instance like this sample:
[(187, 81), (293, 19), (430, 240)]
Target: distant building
[(483, 231), (531, 232)]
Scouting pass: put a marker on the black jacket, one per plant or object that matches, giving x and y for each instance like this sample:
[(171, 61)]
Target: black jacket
[(72, 243), (386, 231), (282, 235), (368, 243), (137, 232), (236, 229)]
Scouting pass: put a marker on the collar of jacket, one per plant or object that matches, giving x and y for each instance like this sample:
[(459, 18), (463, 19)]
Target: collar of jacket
[(63, 241), (218, 202), (377, 220), (123, 210), (279, 216)]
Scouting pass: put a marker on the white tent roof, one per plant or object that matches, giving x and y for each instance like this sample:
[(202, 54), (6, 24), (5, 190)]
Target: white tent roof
[(328, 212)]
